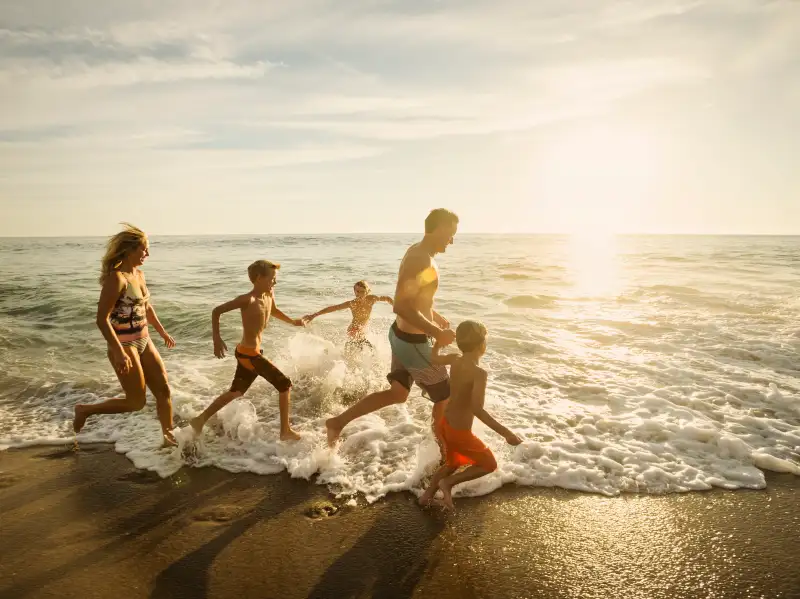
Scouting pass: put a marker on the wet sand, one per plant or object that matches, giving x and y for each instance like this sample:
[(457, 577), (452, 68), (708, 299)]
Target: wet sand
[(88, 525)]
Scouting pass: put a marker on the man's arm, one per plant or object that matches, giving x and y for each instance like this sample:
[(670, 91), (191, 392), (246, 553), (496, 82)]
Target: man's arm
[(440, 320), (298, 322), (414, 274)]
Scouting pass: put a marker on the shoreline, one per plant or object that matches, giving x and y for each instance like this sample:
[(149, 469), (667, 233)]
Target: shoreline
[(87, 524)]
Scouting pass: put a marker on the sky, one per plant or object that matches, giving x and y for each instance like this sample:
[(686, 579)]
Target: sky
[(223, 117)]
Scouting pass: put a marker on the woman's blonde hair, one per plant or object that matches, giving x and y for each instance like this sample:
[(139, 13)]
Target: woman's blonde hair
[(119, 246)]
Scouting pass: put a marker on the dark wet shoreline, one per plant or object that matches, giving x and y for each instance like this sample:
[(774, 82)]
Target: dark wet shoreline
[(90, 525)]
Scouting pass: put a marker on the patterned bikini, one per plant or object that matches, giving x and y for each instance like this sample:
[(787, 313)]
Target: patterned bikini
[(129, 318)]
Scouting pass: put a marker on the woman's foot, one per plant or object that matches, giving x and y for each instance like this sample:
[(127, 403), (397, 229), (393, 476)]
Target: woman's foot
[(169, 440), (80, 418), (289, 435)]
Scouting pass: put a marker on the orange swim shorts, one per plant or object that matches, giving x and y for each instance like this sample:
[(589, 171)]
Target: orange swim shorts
[(462, 448)]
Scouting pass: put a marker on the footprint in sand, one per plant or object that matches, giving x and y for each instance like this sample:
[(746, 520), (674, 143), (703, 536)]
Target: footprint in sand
[(140, 477), (318, 510), (9, 480), (68, 452), (217, 514)]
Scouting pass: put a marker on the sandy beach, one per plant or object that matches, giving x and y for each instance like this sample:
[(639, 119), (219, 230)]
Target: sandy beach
[(87, 524)]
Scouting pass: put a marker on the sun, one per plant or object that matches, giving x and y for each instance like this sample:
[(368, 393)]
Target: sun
[(596, 180)]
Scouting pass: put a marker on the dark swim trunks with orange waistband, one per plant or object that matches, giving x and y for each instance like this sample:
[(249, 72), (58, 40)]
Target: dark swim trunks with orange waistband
[(250, 364)]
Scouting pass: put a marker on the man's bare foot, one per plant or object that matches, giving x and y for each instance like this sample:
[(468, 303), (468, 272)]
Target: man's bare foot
[(334, 432), (447, 498), (197, 425), (80, 418), (169, 440), (290, 435)]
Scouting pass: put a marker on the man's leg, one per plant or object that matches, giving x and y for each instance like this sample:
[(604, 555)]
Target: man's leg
[(373, 402)]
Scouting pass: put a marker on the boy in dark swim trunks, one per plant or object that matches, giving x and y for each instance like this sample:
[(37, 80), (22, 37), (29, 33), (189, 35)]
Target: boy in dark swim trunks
[(461, 447), (256, 307)]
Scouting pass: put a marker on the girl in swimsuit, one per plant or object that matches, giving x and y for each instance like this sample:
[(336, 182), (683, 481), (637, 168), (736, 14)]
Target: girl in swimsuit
[(123, 314), (361, 309)]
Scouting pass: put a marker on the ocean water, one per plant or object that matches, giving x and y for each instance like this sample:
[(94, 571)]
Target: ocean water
[(627, 364)]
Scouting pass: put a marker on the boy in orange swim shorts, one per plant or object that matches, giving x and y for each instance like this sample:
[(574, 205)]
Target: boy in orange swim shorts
[(256, 307), (468, 389)]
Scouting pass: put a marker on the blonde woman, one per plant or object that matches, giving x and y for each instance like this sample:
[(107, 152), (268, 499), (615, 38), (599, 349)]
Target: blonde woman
[(361, 310), (123, 314)]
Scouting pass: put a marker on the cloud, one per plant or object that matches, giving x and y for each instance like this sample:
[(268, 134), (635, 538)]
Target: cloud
[(231, 88)]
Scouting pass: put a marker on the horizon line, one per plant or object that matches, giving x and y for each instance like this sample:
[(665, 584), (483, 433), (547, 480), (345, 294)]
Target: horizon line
[(460, 234)]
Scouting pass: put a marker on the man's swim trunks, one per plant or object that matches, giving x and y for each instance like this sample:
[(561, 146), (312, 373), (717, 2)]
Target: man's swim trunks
[(411, 363)]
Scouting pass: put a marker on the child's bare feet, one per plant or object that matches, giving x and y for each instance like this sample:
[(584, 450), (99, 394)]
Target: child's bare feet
[(426, 499), (80, 418), (169, 440), (289, 435), (447, 498), (334, 431)]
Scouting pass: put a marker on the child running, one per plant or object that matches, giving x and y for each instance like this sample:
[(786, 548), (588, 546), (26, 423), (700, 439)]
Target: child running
[(361, 309), (256, 308), (468, 389)]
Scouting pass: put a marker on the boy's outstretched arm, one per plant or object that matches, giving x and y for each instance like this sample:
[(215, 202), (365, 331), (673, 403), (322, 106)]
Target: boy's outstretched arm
[(240, 302), (442, 360), (298, 322), (478, 398), (328, 310)]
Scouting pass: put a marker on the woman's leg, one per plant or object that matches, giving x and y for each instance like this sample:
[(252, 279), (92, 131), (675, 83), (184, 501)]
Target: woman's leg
[(133, 384), (155, 376)]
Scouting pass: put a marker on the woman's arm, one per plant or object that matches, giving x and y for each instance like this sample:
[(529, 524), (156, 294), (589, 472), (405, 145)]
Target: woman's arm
[(112, 289)]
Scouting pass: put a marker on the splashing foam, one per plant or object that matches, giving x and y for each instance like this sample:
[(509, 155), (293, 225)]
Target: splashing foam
[(605, 439)]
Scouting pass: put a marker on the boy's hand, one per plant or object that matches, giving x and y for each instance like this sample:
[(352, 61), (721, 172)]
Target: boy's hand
[(168, 340), (220, 348), (445, 337), (298, 322), (307, 318), (512, 439)]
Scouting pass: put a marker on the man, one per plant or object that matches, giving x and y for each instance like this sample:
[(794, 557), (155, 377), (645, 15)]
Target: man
[(417, 326)]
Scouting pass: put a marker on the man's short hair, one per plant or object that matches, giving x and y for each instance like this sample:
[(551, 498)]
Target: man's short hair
[(439, 217)]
